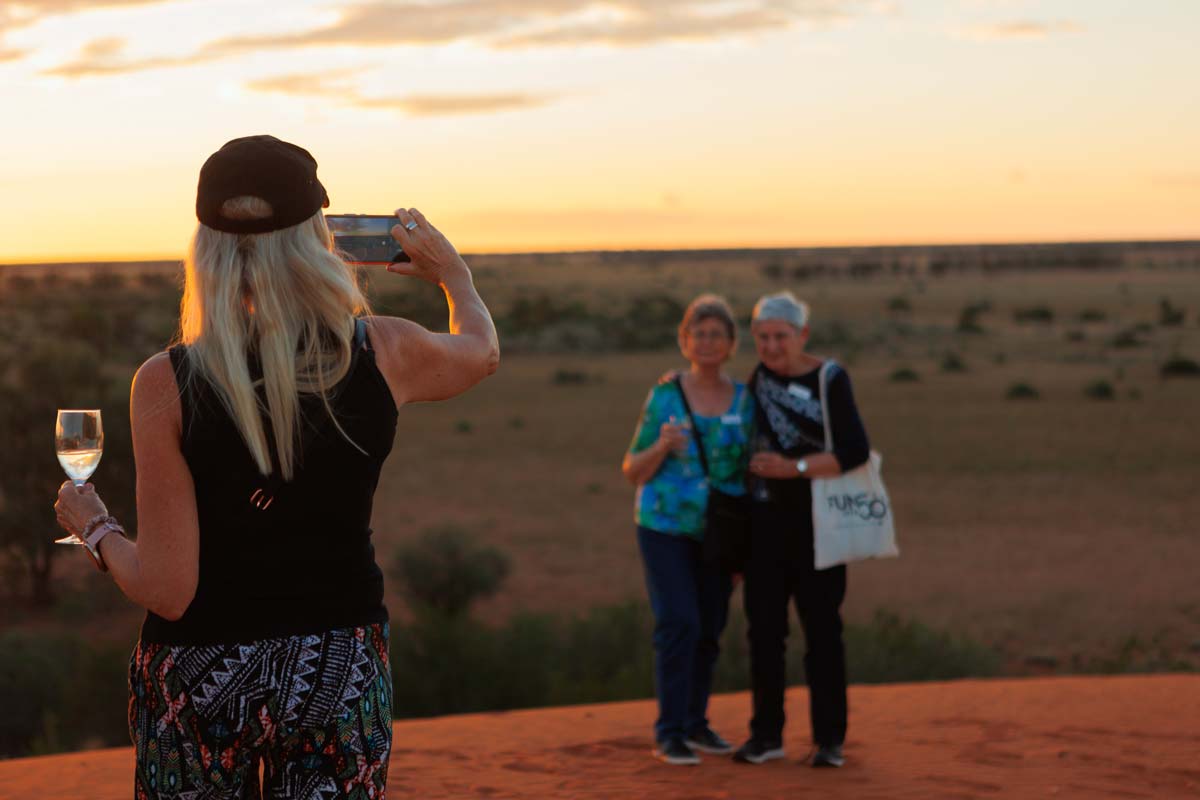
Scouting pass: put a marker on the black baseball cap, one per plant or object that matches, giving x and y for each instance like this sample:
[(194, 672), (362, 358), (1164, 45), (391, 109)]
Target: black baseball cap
[(279, 172)]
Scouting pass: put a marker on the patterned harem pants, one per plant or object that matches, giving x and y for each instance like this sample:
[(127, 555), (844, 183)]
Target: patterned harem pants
[(316, 710)]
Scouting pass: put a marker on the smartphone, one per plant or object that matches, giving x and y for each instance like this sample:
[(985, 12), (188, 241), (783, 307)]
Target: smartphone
[(366, 238)]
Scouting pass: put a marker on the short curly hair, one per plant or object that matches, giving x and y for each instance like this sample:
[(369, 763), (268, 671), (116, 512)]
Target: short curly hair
[(709, 306)]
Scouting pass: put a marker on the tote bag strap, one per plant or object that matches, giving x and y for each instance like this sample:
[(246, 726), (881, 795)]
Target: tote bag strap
[(823, 380), (695, 429)]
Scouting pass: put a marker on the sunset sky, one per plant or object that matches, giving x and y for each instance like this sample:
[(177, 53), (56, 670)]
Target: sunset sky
[(580, 124)]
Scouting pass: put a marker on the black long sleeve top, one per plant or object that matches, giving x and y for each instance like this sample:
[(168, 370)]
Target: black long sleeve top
[(791, 406)]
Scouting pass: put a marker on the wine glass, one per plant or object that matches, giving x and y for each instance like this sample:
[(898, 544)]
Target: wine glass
[(758, 485), (79, 442)]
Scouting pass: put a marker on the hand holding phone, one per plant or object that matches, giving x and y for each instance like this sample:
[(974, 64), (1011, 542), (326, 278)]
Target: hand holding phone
[(366, 238), (434, 259)]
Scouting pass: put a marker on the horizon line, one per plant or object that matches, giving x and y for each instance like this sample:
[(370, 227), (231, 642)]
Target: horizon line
[(153, 259)]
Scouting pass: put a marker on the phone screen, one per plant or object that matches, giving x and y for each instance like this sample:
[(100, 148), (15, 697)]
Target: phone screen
[(365, 238)]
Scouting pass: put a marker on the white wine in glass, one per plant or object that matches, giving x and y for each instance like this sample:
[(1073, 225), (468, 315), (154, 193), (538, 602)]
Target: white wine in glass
[(79, 441)]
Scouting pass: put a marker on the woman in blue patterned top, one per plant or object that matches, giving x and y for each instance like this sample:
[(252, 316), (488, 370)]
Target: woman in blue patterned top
[(689, 596)]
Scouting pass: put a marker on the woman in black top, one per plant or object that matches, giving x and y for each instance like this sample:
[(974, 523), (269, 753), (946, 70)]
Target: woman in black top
[(258, 442), (780, 570)]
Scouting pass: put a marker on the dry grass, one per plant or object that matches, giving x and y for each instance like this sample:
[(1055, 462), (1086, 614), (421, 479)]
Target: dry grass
[(1057, 526)]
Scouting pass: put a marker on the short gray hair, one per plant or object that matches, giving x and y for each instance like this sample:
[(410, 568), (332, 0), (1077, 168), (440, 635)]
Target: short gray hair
[(782, 306)]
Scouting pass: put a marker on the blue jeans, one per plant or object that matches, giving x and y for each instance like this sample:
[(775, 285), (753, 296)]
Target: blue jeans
[(690, 601)]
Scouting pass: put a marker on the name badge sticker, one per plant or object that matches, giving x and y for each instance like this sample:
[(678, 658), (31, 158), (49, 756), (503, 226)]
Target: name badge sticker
[(731, 419), (800, 391)]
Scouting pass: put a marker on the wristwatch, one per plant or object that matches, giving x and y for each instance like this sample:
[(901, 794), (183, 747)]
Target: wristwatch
[(802, 466)]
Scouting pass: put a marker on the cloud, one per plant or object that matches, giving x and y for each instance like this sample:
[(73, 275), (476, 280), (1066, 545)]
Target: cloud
[(540, 23), (1020, 29), (336, 86), (497, 24), (20, 13), (16, 14), (106, 57), (445, 105), (650, 29)]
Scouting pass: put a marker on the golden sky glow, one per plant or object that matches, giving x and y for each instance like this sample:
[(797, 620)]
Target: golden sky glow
[(573, 124)]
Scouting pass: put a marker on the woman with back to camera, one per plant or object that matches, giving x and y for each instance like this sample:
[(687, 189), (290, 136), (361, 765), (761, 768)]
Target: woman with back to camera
[(259, 441), (688, 595), (789, 456)]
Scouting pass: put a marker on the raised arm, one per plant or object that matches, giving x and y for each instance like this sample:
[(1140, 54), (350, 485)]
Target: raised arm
[(421, 365)]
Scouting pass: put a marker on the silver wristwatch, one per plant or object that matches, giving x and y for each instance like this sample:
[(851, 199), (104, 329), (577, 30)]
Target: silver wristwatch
[(802, 466)]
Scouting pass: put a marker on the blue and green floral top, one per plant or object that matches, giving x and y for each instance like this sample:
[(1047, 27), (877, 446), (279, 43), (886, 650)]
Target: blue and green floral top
[(675, 499)]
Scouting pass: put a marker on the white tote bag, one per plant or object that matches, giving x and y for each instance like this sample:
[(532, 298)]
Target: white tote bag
[(852, 516)]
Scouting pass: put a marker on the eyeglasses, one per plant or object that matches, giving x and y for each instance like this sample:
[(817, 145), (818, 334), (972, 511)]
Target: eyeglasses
[(713, 335)]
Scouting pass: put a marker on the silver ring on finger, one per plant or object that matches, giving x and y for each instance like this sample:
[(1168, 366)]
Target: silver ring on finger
[(410, 226)]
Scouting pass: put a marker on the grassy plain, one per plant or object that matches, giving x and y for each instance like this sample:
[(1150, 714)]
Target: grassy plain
[(1061, 529), (1058, 528)]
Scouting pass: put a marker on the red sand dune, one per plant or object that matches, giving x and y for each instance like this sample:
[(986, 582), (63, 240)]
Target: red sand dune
[(1127, 737)]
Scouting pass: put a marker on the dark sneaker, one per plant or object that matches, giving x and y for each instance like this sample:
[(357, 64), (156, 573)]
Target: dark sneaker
[(756, 751), (675, 751), (707, 741), (830, 756)]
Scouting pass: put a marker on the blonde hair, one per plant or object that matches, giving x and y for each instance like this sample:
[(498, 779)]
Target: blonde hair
[(284, 296)]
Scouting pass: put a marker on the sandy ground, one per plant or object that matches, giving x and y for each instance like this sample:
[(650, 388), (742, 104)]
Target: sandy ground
[(1126, 737)]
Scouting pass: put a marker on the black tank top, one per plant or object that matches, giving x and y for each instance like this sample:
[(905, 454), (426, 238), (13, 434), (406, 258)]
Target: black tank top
[(283, 559)]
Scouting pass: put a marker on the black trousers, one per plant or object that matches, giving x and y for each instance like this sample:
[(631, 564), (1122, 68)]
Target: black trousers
[(780, 572)]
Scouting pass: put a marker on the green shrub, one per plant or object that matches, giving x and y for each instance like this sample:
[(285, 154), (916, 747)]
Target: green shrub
[(772, 270), (1179, 367), (904, 375), (1168, 315), (952, 362), (833, 334), (59, 693), (899, 304), (1134, 655), (569, 377), (650, 322), (159, 282), (968, 320), (106, 281), (607, 654), (463, 426), (420, 302), (1126, 338), (1092, 315), (33, 671), (1038, 314), (891, 649), (446, 570), (1076, 335), (1100, 390), (1022, 391)]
